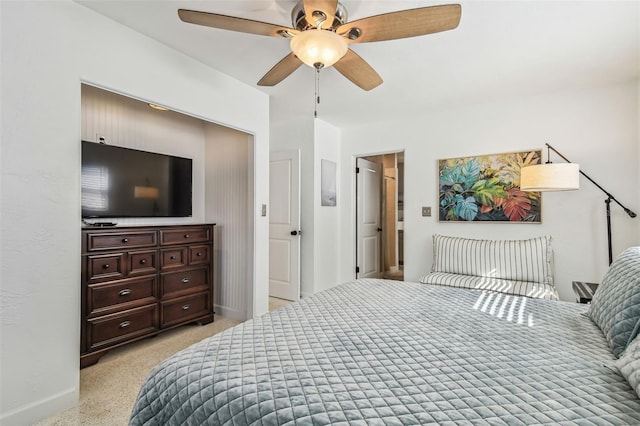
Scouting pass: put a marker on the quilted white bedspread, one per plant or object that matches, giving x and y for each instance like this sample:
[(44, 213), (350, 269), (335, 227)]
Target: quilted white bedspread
[(386, 352)]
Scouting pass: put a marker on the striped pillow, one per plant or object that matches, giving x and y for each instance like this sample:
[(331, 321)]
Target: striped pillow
[(520, 260), (513, 287)]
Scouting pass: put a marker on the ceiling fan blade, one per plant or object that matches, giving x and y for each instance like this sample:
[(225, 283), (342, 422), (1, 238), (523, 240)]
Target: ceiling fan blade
[(358, 71), (328, 7), (281, 70), (403, 24), (235, 24)]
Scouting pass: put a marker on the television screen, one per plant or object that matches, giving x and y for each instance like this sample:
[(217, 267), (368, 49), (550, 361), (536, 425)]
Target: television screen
[(123, 182)]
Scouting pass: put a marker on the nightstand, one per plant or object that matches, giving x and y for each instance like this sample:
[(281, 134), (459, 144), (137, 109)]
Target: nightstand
[(584, 291)]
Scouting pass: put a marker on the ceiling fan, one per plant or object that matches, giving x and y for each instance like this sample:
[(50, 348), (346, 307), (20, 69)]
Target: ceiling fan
[(321, 35)]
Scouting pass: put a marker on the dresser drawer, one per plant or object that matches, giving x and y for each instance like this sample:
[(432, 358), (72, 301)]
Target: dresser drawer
[(186, 281), (184, 235), (199, 255), (105, 267), (173, 258), (111, 329), (120, 240), (133, 287), (118, 295), (184, 308), (143, 262)]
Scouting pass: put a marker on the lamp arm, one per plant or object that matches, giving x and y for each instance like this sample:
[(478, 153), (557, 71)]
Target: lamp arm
[(628, 211)]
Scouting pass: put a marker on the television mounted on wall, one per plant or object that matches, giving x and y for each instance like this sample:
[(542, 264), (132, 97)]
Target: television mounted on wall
[(122, 182)]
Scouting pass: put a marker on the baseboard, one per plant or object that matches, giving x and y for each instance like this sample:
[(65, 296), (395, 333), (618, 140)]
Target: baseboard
[(234, 314), (304, 294), (43, 409)]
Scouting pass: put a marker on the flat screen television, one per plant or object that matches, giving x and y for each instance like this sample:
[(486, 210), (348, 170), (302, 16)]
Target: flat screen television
[(124, 182)]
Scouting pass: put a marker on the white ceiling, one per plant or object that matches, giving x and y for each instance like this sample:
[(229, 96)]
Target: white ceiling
[(501, 49)]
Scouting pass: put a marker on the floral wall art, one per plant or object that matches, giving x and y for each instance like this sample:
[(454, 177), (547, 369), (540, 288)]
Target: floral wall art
[(486, 188)]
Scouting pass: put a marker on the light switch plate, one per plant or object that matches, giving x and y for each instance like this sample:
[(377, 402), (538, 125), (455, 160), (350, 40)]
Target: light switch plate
[(426, 211)]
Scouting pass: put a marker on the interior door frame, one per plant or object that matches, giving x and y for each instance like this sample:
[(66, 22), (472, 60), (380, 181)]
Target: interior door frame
[(354, 202)]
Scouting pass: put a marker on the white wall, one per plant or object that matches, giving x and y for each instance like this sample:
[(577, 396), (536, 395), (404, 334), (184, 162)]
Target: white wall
[(597, 128), (47, 50), (227, 204), (299, 134), (326, 219), (319, 248)]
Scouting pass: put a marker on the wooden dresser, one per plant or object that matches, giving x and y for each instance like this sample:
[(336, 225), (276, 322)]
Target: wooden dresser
[(140, 281)]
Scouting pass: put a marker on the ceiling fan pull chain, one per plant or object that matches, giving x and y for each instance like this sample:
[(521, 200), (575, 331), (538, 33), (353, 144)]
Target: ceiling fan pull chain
[(317, 94)]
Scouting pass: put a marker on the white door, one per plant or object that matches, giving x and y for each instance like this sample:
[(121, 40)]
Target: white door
[(368, 230), (284, 225)]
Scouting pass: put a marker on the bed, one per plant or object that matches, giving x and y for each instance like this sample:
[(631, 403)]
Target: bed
[(388, 352)]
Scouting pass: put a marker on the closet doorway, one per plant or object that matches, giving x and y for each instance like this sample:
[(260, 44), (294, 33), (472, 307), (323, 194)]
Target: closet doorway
[(223, 181), (380, 216)]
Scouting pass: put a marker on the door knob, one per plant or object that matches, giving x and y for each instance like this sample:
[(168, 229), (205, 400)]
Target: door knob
[(298, 232), (379, 229)]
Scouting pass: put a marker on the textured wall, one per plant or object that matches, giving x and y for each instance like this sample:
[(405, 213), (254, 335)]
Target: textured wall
[(228, 196), (48, 49)]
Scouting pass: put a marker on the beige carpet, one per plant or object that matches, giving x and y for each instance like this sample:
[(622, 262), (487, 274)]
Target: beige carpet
[(109, 388)]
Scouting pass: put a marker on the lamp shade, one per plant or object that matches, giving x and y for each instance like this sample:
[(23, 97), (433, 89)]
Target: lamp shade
[(319, 47), (550, 177)]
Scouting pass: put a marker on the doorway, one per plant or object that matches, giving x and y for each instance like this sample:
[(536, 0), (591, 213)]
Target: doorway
[(223, 188), (380, 216)]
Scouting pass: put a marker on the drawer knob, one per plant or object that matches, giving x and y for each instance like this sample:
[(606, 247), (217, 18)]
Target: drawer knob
[(106, 266), (124, 324), (125, 240), (173, 258), (125, 292), (143, 261), (199, 254), (186, 235), (186, 280), (186, 307)]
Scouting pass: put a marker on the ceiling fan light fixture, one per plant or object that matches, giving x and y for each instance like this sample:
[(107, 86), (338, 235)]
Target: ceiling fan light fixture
[(320, 35), (318, 46)]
